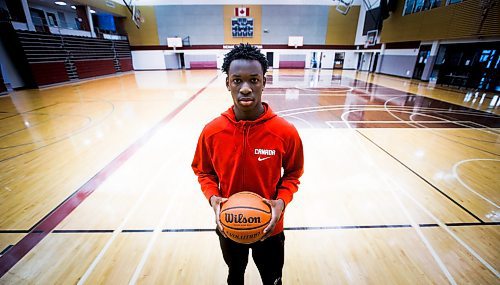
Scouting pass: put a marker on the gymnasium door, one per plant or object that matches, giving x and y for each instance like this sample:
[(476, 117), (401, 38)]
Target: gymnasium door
[(364, 61), (339, 60), (375, 62), (423, 54), (270, 56)]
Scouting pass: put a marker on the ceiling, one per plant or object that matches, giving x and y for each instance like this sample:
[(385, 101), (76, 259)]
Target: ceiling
[(67, 8), (232, 2)]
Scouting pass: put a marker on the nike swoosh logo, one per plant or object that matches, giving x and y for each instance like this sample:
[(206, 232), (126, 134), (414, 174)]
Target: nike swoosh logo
[(263, 158)]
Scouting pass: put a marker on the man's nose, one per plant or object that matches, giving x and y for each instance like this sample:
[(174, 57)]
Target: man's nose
[(245, 88)]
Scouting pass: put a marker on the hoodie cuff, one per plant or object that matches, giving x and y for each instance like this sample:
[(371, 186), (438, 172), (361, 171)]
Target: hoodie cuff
[(285, 196), (209, 193)]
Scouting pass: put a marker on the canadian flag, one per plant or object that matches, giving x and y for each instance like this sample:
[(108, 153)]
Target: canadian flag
[(242, 12)]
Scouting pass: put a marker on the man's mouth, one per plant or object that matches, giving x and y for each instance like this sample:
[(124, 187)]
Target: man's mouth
[(245, 101)]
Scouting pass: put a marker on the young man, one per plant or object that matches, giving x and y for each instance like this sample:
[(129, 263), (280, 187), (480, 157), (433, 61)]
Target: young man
[(245, 149)]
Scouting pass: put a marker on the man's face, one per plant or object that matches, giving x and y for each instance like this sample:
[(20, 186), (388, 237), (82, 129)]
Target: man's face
[(246, 83)]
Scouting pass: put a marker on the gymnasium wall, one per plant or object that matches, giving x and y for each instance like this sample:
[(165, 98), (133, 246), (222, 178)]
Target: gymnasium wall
[(9, 71), (255, 13), (399, 62), (148, 33), (196, 21), (211, 24), (294, 20), (446, 22), (341, 29)]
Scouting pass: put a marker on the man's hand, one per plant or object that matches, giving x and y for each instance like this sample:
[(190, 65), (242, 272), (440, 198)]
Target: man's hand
[(215, 202), (277, 207)]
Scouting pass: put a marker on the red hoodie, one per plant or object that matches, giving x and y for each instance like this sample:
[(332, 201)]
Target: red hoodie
[(234, 156)]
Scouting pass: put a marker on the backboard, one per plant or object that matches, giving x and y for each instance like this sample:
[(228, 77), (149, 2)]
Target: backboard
[(295, 41), (371, 38), (135, 12)]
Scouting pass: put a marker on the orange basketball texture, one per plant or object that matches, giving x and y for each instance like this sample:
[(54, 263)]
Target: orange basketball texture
[(244, 216)]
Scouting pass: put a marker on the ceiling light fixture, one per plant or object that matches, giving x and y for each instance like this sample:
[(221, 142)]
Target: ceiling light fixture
[(92, 11), (73, 7), (60, 3)]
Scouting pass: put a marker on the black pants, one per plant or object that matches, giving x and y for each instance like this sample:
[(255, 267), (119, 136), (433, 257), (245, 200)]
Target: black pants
[(269, 256)]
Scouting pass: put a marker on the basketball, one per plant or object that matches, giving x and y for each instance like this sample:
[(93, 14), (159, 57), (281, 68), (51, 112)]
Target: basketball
[(244, 216)]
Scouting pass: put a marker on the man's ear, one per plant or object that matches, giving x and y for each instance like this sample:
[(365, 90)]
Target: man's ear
[(227, 83), (264, 81)]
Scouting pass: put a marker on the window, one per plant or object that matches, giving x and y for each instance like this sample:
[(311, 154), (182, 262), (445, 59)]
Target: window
[(415, 6), (448, 2), (418, 6), (62, 18), (409, 5), (52, 19)]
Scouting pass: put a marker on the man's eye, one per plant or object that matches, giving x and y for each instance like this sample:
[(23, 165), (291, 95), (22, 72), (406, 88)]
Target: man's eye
[(236, 81), (254, 80)]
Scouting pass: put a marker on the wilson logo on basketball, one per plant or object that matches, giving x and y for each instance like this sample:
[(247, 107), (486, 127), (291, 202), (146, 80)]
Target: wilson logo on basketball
[(241, 219)]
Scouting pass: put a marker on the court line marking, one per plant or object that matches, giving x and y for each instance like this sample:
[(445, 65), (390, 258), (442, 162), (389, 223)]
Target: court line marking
[(481, 128), (494, 131), (29, 111), (311, 109), (455, 174), (87, 124), (366, 156), (437, 133), (426, 242), (6, 249), (434, 117), (390, 122), (361, 108), (161, 171), (67, 136), (158, 229), (439, 222), (302, 120), (345, 121), (401, 120), (428, 182), (296, 228), (42, 228)]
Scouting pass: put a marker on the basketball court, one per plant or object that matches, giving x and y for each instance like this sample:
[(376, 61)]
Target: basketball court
[(401, 180)]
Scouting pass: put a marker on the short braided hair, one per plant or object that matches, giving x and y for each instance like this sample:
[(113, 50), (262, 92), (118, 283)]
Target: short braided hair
[(244, 51)]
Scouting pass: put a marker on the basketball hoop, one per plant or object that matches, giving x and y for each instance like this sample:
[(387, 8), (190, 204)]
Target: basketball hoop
[(343, 6), (137, 17)]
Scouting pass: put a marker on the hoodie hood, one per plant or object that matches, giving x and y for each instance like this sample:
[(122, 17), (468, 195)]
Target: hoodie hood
[(267, 115)]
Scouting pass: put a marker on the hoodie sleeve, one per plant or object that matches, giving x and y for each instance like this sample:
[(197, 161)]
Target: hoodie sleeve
[(203, 168), (293, 167)]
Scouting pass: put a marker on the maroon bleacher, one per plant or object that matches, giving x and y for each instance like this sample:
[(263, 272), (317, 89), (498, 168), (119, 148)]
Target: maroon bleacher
[(203, 64), (94, 67), (292, 64), (59, 58), (126, 64), (49, 72)]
